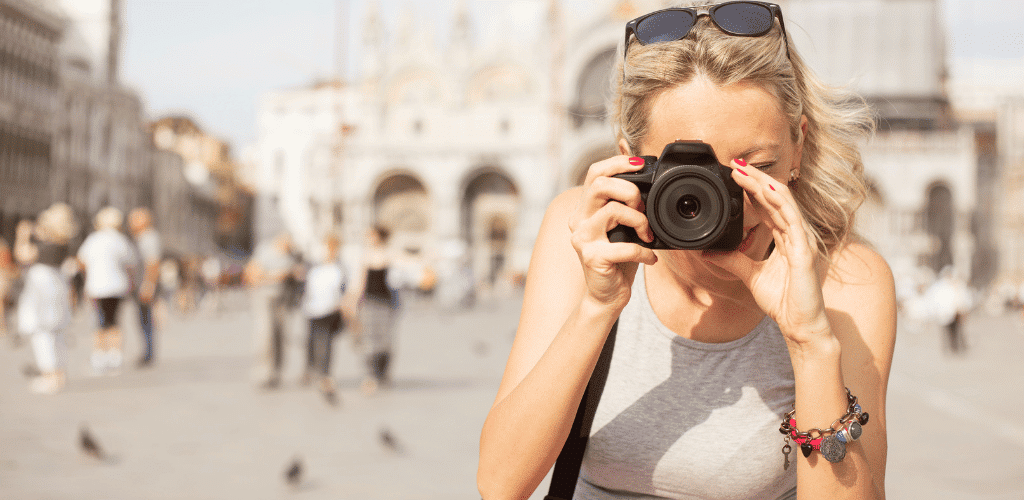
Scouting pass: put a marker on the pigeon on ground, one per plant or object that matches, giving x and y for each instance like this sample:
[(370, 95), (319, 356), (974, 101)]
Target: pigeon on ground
[(30, 371), (293, 474), (89, 444), (388, 440)]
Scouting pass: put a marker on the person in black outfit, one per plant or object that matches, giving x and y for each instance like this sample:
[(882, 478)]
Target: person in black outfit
[(378, 309)]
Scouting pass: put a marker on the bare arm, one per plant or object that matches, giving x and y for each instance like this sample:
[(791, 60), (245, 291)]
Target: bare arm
[(861, 305), (577, 284), (555, 350)]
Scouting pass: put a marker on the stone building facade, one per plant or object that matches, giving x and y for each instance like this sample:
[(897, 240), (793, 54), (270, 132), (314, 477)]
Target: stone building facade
[(460, 146), (30, 35), (70, 132), (199, 203)]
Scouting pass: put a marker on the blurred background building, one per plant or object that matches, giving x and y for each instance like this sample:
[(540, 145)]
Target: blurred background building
[(30, 35), (460, 145), (71, 132)]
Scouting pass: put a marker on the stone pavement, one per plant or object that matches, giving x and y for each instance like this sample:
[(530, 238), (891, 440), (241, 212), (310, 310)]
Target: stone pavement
[(194, 426)]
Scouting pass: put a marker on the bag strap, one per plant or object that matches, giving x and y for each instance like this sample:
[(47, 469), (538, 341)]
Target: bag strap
[(567, 466)]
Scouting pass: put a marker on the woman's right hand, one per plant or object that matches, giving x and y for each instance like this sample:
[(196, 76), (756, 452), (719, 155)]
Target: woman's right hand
[(608, 267)]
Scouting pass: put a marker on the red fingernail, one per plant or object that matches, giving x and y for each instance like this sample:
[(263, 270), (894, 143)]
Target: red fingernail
[(740, 162), (636, 160), (771, 187), (740, 170)]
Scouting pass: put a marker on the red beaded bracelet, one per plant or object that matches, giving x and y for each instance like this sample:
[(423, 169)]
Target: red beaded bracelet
[(830, 442)]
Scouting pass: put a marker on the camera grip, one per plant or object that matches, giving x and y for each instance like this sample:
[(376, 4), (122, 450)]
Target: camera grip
[(625, 234)]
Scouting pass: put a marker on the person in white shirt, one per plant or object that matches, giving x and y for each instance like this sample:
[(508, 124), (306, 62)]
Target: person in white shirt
[(322, 307), (44, 306), (108, 259)]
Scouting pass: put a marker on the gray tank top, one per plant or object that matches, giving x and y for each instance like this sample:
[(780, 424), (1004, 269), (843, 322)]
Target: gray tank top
[(683, 419)]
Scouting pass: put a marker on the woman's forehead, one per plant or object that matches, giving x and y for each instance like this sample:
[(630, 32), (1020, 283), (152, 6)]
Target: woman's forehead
[(735, 120)]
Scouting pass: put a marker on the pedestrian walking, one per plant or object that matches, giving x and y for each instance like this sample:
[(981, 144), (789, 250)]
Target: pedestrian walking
[(749, 321), (44, 306), (950, 302), (211, 271), (170, 283), (265, 274), (322, 306), (376, 299), (109, 261), (72, 270), (8, 273), (147, 277)]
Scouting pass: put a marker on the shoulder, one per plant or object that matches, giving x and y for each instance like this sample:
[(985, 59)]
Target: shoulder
[(553, 244), (856, 269), (860, 297), (555, 276), (564, 204)]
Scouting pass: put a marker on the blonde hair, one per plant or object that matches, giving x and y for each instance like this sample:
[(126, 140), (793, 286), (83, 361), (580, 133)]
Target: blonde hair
[(831, 185), (108, 218), (57, 224)]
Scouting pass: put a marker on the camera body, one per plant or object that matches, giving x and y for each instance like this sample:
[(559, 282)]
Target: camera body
[(692, 201)]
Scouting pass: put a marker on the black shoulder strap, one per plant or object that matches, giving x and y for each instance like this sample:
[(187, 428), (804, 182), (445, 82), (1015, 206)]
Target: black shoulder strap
[(567, 467)]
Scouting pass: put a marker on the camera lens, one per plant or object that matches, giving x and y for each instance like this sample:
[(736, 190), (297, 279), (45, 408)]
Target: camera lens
[(688, 206)]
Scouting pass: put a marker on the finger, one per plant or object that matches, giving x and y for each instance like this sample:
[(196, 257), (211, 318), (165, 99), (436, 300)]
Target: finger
[(629, 252), (796, 229), (614, 165), (612, 215), (759, 186), (754, 182), (605, 189)]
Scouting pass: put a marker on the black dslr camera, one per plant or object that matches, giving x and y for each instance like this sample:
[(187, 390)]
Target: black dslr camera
[(692, 201)]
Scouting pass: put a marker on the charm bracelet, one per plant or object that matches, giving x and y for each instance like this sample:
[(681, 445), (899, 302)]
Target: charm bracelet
[(830, 442)]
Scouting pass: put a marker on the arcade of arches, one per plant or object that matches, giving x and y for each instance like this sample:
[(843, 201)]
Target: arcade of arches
[(488, 212)]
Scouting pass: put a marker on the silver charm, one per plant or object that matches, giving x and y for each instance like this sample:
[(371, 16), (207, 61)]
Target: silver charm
[(850, 432), (832, 449), (854, 430), (785, 452)]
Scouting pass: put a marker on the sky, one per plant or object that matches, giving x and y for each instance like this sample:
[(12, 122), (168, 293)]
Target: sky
[(212, 59)]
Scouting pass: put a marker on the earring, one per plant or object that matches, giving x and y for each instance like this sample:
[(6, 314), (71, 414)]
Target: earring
[(792, 175)]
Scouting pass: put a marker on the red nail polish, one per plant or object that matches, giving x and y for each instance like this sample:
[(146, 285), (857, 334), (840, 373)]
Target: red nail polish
[(740, 162), (636, 160), (771, 187), (740, 170)]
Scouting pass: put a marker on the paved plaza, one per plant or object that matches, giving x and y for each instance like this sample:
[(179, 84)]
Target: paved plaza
[(195, 427)]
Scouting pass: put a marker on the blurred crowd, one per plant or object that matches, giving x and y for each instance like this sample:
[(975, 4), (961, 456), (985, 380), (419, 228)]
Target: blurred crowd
[(55, 265), (945, 299), (333, 297)]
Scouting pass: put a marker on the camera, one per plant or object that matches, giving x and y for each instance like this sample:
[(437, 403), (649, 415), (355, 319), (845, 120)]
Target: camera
[(692, 201)]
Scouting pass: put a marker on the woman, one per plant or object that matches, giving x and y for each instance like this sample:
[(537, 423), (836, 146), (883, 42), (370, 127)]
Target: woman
[(377, 301), (713, 349)]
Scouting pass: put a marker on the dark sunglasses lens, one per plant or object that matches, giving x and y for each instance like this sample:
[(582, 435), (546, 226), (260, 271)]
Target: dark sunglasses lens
[(744, 18), (664, 27)]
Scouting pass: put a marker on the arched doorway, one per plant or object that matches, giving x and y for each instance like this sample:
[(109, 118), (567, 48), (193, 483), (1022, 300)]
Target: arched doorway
[(402, 204), (939, 222), (490, 208)]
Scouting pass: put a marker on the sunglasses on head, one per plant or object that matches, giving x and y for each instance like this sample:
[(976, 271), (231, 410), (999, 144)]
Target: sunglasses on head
[(735, 18)]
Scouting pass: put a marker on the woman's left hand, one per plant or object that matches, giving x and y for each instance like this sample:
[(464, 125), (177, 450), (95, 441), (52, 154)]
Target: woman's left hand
[(788, 284)]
